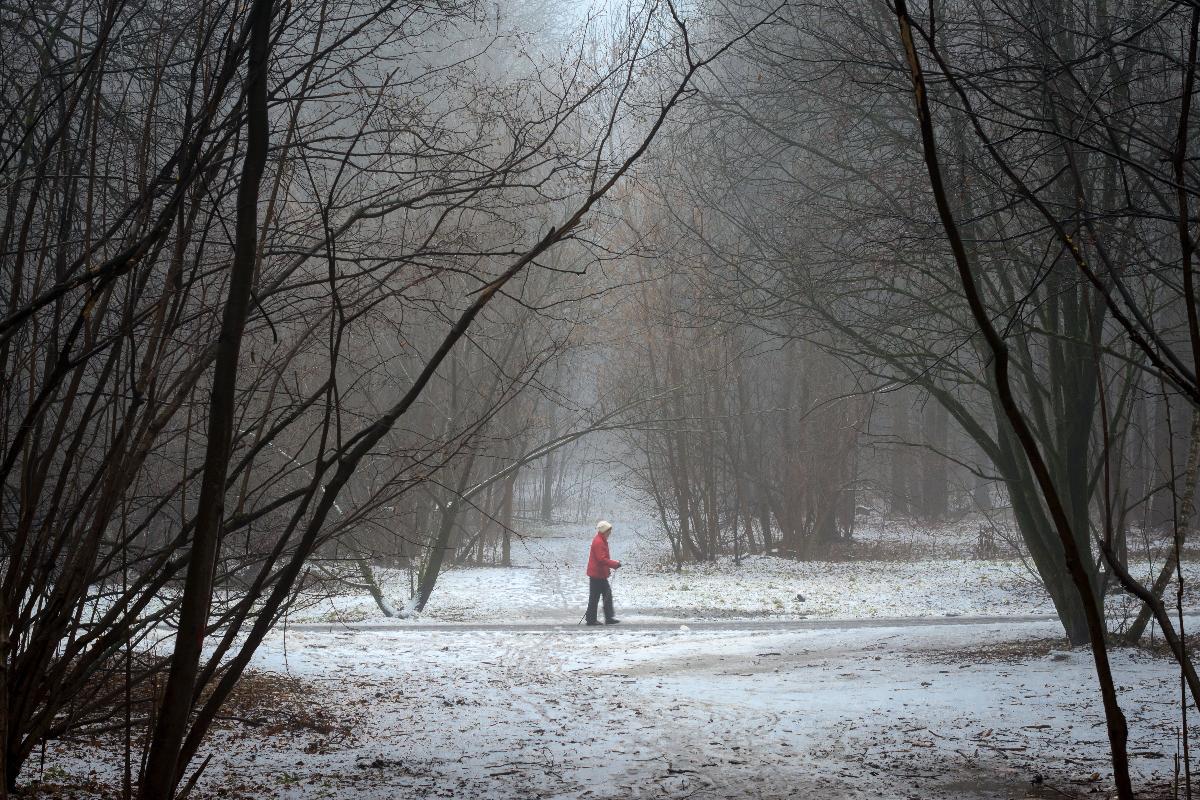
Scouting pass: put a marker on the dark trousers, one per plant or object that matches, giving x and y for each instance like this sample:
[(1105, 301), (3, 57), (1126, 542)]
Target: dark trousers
[(598, 587)]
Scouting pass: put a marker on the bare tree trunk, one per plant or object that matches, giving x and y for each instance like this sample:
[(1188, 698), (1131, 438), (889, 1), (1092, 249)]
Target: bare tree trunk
[(764, 517), (1187, 512), (1162, 467), (901, 454), (506, 520), (982, 492), (547, 510), (367, 574), (441, 543), (935, 500), (4, 722), (163, 770), (1118, 732)]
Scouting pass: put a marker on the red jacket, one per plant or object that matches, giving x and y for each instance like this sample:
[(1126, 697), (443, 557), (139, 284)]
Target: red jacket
[(599, 563)]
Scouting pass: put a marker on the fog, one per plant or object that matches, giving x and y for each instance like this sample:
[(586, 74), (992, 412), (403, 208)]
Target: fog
[(534, 399)]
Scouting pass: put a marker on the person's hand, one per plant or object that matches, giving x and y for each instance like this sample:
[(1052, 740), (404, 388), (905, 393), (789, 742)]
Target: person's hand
[(618, 565)]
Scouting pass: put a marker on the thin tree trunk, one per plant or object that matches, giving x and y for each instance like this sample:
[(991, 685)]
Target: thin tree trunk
[(547, 509), (506, 520), (935, 500), (4, 722), (901, 456), (163, 769), (367, 574), (1187, 511), (1118, 732)]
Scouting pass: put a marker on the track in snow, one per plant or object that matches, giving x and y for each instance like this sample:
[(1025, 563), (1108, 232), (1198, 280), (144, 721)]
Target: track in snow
[(700, 625)]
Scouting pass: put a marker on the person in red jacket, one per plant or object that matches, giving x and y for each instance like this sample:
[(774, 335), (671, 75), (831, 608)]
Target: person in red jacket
[(599, 565)]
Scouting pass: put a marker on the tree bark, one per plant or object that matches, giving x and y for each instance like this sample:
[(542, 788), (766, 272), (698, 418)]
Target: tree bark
[(1118, 732), (935, 493), (1187, 512), (163, 768), (506, 520), (901, 456)]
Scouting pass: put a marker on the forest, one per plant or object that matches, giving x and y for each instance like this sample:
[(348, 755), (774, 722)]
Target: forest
[(352, 350)]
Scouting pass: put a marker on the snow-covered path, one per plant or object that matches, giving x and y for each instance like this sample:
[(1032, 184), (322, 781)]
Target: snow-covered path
[(764, 625)]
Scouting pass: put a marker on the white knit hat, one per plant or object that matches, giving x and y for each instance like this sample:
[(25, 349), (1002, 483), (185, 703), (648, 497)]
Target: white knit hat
[(604, 526)]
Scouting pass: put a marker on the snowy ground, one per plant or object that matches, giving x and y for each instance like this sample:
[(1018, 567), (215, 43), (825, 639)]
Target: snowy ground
[(442, 706), (952, 711), (930, 574)]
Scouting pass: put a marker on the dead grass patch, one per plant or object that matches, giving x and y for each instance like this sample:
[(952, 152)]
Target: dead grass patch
[(1010, 652)]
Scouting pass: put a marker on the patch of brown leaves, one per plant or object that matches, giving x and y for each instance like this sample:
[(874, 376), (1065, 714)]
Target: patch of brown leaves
[(272, 704), (1011, 652)]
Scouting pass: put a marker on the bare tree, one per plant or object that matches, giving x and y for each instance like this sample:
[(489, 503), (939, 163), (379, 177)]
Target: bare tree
[(354, 198)]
